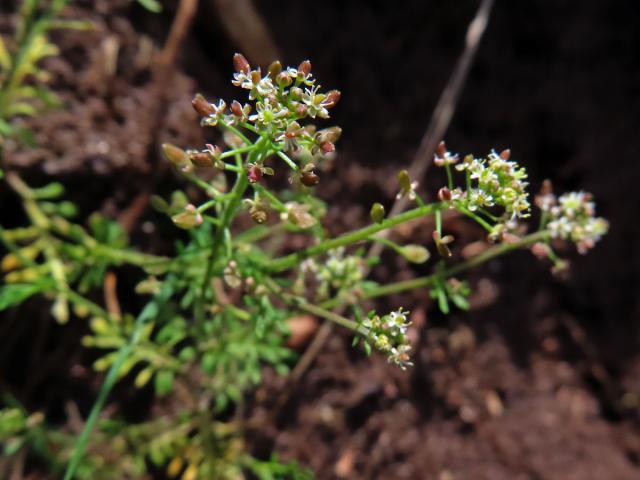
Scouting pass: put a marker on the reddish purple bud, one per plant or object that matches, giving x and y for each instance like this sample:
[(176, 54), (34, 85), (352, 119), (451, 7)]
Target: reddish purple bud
[(301, 110), (505, 154), (305, 68), (201, 159), (255, 174), (444, 194), (240, 63), (540, 250), (201, 106), (327, 147), (441, 151), (236, 108), (332, 98), (546, 188), (309, 179)]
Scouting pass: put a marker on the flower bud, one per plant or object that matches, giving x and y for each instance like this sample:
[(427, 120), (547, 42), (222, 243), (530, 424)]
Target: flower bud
[(332, 98), (274, 69), (331, 134), (202, 106), (377, 212), (305, 68), (505, 154), (258, 215), (301, 110), (188, 218), (296, 93), (309, 179), (441, 150), (404, 181), (255, 174), (175, 155), (327, 147), (415, 253), (236, 108), (444, 194), (540, 250), (283, 79), (201, 159), (240, 63)]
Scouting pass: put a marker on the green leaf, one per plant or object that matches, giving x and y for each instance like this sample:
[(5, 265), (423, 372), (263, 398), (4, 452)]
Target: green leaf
[(143, 377), (151, 5), (5, 56), (14, 294), (460, 301), (164, 382)]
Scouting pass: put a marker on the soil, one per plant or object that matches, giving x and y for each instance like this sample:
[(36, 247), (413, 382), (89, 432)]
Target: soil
[(540, 380)]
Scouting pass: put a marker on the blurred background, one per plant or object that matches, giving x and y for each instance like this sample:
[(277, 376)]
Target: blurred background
[(541, 379)]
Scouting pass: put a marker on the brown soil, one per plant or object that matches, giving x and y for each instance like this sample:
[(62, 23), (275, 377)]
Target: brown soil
[(540, 380)]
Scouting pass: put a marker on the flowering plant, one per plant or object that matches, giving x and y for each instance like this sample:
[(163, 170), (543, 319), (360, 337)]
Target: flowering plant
[(217, 311)]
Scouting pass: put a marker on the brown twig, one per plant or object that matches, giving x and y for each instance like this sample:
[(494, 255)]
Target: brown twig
[(111, 295), (163, 73), (247, 29)]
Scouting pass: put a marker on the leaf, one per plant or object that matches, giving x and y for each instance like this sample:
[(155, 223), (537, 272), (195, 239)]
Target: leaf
[(82, 25), (5, 56), (164, 382), (460, 301), (151, 5), (143, 377), (15, 294)]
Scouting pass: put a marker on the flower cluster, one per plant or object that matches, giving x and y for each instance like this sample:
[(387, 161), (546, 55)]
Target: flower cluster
[(494, 181), (282, 99), (572, 217), (389, 335), (339, 272)]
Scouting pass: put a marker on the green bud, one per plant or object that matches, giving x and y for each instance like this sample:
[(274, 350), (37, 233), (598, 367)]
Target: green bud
[(377, 212), (175, 155), (415, 253), (404, 181), (274, 69), (67, 209), (52, 190), (188, 218), (159, 204), (143, 377), (60, 309)]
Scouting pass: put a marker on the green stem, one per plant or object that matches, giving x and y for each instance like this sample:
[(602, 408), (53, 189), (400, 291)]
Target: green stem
[(147, 314), (289, 261), (275, 202), (233, 129), (475, 217), (302, 305), (287, 160), (426, 281)]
